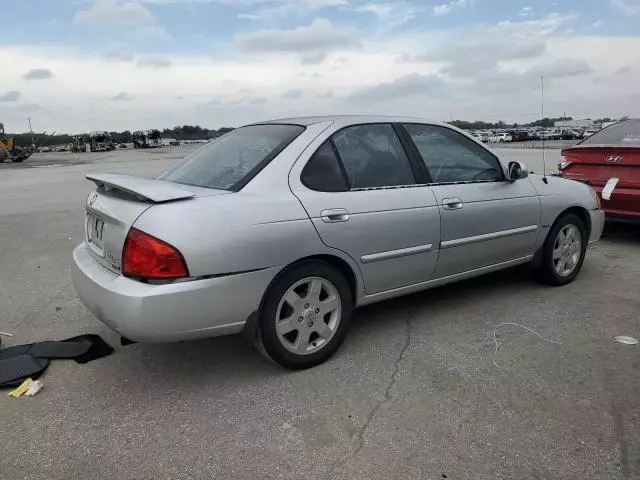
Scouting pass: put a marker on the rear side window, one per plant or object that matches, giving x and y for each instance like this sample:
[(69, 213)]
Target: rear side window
[(372, 156), (230, 161), (621, 133), (323, 173)]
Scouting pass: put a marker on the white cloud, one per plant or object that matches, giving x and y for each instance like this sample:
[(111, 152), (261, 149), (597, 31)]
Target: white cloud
[(122, 96), (409, 86), (248, 16), (392, 14), (133, 21), (488, 72), (630, 7), (312, 42), (10, 96), (452, 6), (596, 24), (561, 68), (294, 94), (531, 28), (526, 11), (118, 57), (271, 10), (38, 74), (153, 62), (107, 12)]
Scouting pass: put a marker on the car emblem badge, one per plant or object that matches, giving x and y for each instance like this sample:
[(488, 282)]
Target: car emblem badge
[(92, 198), (614, 158)]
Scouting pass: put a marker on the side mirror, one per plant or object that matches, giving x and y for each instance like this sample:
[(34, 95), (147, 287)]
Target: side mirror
[(517, 171)]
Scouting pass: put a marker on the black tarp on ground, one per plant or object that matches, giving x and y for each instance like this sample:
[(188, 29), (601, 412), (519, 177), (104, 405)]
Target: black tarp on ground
[(20, 362)]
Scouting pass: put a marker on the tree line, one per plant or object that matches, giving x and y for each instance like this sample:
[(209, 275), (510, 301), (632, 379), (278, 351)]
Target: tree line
[(183, 132), (196, 132), (544, 123)]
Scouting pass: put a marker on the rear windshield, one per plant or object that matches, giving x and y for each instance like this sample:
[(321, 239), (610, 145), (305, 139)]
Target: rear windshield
[(230, 161), (626, 133)]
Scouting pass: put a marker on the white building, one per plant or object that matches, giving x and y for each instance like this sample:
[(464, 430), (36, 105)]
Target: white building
[(573, 124)]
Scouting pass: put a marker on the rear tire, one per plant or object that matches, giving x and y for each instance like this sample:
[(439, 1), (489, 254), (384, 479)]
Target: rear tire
[(305, 316), (563, 251)]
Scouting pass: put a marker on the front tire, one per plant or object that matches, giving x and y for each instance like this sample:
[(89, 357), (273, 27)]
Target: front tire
[(563, 251), (305, 316)]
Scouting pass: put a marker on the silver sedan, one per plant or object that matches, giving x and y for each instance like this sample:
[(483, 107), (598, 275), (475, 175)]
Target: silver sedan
[(280, 229)]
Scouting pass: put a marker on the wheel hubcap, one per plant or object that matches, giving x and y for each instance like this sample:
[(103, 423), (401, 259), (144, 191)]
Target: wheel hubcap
[(567, 250), (308, 315)]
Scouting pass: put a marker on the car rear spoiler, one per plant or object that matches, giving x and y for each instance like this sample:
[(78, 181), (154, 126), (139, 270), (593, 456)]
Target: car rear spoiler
[(156, 191)]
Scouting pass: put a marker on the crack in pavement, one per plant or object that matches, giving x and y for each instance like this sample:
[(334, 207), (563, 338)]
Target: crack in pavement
[(387, 394)]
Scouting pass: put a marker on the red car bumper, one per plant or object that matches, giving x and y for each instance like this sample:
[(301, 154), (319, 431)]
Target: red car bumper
[(624, 203)]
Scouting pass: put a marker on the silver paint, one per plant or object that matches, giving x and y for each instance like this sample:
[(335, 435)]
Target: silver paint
[(381, 235)]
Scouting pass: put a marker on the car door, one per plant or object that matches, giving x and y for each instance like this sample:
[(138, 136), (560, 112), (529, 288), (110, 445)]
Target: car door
[(485, 219), (360, 190)]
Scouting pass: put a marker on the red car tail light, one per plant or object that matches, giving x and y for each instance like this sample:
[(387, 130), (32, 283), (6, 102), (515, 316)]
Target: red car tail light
[(148, 257)]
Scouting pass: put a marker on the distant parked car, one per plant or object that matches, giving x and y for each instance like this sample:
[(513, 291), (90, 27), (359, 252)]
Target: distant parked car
[(123, 145), (483, 137), (570, 134), (175, 143), (610, 157), (500, 138), (589, 131), (281, 229), (551, 134), (45, 149), (534, 134), (519, 135)]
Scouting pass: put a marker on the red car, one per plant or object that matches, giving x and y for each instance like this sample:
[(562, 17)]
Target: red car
[(609, 160)]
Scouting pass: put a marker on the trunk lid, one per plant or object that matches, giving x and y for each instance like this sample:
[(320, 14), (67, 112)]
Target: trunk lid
[(595, 165), (113, 208)]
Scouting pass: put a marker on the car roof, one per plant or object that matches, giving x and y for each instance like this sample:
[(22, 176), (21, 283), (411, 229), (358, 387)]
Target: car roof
[(347, 120)]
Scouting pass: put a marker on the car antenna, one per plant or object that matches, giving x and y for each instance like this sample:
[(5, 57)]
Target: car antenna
[(544, 164)]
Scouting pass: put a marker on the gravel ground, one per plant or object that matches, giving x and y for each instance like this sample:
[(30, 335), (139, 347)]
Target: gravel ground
[(413, 394)]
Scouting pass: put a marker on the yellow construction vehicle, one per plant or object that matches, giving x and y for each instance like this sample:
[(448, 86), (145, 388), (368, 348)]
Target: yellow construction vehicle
[(10, 151)]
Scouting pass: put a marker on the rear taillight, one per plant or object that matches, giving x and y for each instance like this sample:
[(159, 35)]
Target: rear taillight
[(564, 163), (147, 257)]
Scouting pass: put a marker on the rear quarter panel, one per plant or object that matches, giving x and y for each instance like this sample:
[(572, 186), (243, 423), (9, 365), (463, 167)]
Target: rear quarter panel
[(261, 226), (235, 233)]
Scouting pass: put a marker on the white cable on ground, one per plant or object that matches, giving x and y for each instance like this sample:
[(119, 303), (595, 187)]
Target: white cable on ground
[(495, 340)]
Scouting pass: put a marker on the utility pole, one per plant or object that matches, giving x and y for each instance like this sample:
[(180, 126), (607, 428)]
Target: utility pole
[(33, 143)]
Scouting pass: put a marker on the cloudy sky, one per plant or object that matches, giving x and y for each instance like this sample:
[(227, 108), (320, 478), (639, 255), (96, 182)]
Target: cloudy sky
[(80, 65)]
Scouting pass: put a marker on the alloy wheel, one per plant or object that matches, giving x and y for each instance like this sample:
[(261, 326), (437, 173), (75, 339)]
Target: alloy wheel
[(308, 315), (567, 249)]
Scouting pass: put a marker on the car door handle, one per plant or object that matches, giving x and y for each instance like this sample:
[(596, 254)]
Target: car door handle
[(452, 203), (334, 215)]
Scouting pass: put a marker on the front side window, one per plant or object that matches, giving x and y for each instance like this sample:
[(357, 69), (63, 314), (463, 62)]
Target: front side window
[(451, 157), (372, 156), (234, 158)]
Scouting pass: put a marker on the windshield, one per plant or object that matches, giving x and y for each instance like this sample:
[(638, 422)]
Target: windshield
[(626, 133), (233, 159)]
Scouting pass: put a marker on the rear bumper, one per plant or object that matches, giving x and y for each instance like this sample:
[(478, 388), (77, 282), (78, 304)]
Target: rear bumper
[(623, 218), (161, 313), (624, 202)]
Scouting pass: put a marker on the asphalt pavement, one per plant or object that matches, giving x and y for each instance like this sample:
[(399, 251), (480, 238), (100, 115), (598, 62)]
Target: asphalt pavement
[(416, 392)]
